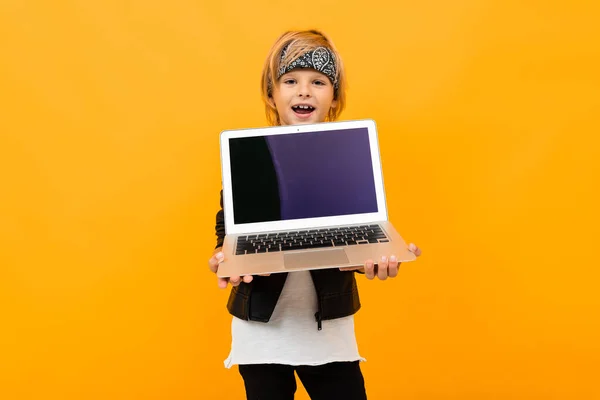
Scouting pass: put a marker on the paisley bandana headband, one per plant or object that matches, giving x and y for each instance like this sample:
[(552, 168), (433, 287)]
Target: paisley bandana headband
[(320, 59)]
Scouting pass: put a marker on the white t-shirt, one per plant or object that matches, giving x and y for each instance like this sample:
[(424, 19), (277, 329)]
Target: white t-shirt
[(291, 336)]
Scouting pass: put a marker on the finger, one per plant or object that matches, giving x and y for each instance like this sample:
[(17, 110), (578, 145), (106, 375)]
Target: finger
[(215, 260), (213, 264), (413, 248), (235, 280), (222, 282), (382, 269), (369, 269), (247, 278), (393, 266)]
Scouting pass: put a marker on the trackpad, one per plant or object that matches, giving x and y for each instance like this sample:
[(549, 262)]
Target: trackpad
[(309, 259)]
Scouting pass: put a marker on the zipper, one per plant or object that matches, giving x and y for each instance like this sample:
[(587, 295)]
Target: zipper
[(318, 318), (318, 315)]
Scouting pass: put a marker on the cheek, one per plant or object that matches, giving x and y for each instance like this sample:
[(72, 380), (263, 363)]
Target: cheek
[(330, 98)]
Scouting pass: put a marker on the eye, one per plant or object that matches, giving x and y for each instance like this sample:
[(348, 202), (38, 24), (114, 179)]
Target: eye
[(319, 83), (289, 81)]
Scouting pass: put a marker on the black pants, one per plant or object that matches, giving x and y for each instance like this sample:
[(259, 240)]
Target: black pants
[(338, 380)]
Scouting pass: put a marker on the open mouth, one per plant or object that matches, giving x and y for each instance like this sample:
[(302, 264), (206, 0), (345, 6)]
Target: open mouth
[(303, 109)]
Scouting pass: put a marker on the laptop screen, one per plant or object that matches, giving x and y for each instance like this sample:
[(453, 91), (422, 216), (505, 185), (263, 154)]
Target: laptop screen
[(304, 175)]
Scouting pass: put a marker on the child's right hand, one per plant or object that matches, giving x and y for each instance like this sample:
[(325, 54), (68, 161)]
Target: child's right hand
[(213, 264)]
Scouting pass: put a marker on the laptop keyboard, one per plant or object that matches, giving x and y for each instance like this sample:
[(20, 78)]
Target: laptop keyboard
[(310, 239)]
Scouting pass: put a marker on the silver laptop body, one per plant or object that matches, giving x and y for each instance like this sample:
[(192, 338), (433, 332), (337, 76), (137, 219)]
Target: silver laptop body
[(302, 197)]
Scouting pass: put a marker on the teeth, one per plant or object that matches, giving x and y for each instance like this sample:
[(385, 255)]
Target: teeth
[(303, 106)]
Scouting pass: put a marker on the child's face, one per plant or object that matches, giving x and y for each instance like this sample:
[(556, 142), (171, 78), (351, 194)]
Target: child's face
[(303, 87)]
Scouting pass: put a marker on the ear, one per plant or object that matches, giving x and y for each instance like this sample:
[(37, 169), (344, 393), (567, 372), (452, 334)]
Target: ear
[(334, 104), (271, 102)]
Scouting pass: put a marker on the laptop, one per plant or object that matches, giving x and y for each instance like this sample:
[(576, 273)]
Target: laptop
[(304, 197)]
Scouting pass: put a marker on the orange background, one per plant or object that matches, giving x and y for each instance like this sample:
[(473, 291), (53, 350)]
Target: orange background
[(109, 176)]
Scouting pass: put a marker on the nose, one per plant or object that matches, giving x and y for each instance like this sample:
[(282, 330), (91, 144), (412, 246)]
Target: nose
[(304, 89)]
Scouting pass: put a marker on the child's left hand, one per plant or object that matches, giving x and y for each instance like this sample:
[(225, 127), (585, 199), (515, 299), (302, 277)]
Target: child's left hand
[(385, 267)]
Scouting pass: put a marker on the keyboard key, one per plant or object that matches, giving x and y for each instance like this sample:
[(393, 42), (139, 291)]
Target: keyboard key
[(319, 245)]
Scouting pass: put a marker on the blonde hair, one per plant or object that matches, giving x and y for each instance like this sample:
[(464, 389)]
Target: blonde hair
[(298, 43)]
